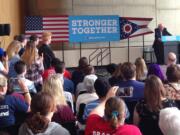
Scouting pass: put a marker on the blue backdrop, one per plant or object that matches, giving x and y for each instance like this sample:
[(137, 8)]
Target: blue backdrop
[(94, 28)]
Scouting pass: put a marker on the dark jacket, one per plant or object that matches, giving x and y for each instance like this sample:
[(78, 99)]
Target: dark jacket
[(47, 54), (158, 33)]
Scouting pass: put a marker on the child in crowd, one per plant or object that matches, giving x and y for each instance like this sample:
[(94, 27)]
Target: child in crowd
[(20, 68)]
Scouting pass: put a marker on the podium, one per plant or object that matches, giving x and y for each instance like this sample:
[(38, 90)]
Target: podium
[(171, 44)]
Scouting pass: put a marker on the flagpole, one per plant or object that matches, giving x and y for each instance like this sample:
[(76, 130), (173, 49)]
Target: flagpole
[(63, 51), (143, 45), (128, 49), (80, 50)]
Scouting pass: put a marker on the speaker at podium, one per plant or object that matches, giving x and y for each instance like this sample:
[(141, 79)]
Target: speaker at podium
[(171, 44)]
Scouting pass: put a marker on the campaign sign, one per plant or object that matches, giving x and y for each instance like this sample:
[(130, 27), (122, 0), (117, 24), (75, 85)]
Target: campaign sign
[(94, 28)]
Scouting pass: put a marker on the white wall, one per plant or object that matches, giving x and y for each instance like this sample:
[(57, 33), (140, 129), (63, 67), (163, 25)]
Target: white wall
[(162, 11)]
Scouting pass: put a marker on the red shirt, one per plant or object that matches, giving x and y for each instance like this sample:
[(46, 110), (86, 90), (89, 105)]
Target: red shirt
[(96, 125), (67, 74)]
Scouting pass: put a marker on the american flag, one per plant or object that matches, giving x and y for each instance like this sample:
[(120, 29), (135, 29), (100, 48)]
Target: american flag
[(133, 27), (57, 25)]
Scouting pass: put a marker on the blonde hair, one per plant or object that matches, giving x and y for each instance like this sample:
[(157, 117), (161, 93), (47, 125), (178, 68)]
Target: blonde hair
[(46, 36), (13, 49), (53, 86), (141, 68), (31, 54)]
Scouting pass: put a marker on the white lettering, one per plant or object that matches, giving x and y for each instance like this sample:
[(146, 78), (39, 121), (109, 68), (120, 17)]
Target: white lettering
[(3, 114)]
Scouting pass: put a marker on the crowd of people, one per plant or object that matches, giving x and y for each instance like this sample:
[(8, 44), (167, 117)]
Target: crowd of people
[(39, 96)]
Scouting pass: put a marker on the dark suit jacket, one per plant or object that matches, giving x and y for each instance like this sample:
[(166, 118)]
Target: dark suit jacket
[(158, 33)]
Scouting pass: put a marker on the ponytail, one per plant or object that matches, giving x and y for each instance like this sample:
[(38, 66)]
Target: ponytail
[(114, 119), (37, 123)]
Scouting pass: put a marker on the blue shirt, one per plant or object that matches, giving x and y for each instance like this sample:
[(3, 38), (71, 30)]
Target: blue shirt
[(12, 61), (138, 89), (68, 85), (8, 107)]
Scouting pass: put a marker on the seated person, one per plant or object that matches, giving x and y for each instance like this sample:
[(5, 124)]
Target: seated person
[(108, 118), (20, 68), (173, 86), (146, 112), (102, 87), (154, 69), (67, 84), (90, 94), (42, 107), (128, 71), (10, 105), (169, 121)]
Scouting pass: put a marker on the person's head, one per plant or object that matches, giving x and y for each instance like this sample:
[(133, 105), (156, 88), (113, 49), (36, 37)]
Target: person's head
[(128, 71), (111, 68), (3, 85), (54, 87), (173, 73), (171, 58), (83, 62), (154, 92), (102, 87), (42, 108), (46, 37), (160, 26), (141, 68), (89, 82), (115, 111), (34, 38), (20, 67), (154, 69), (55, 61), (13, 49), (30, 54), (117, 73), (89, 70), (22, 38), (16, 37), (169, 121), (59, 68)]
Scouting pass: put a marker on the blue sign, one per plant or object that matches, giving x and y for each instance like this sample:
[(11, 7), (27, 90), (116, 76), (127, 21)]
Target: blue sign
[(170, 38), (94, 28)]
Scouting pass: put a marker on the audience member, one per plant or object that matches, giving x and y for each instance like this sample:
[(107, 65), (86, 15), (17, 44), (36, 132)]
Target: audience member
[(141, 69), (128, 71), (34, 64), (4, 66), (67, 84), (22, 38), (35, 39), (54, 87), (154, 69), (45, 50), (169, 121), (10, 105), (108, 118), (78, 74), (146, 113), (20, 68), (89, 70), (42, 107), (12, 52), (90, 94), (173, 85)]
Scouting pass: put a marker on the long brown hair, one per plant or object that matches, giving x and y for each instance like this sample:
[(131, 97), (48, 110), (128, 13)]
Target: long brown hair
[(153, 93), (31, 54), (115, 111), (41, 104)]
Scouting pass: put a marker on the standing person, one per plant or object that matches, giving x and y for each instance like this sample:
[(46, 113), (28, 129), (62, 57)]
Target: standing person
[(42, 107), (22, 38), (34, 64), (12, 52), (158, 44), (45, 50), (4, 66)]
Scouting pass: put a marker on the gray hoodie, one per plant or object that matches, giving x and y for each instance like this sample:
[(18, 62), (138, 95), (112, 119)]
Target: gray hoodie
[(53, 129)]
